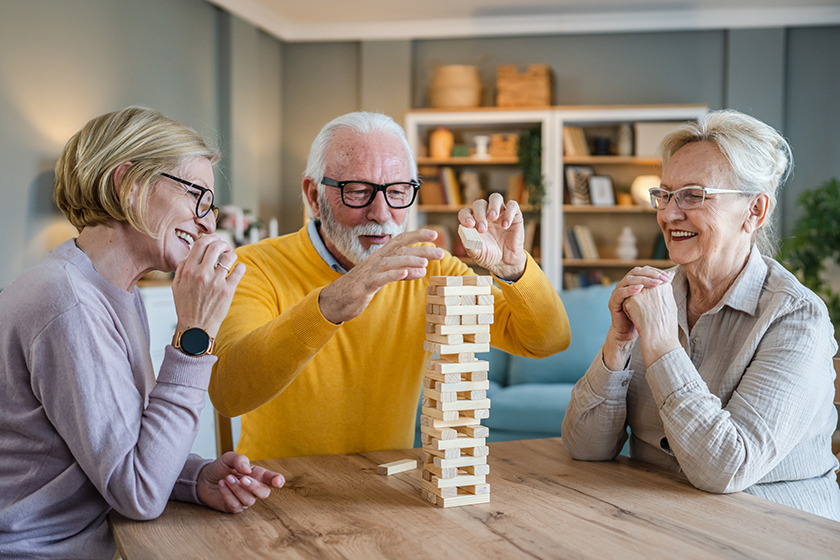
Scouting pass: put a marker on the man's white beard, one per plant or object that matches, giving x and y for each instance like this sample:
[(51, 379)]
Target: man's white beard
[(346, 239)]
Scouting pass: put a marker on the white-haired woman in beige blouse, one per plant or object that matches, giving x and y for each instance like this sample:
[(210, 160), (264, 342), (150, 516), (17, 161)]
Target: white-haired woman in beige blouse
[(721, 367)]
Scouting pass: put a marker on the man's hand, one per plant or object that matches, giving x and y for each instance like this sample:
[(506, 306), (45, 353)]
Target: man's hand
[(350, 295), (230, 484), (503, 234)]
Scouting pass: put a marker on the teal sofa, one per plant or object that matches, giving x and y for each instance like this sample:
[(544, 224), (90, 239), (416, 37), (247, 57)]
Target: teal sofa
[(529, 396)]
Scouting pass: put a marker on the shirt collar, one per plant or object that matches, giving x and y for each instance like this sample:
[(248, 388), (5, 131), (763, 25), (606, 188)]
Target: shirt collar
[(321, 248)]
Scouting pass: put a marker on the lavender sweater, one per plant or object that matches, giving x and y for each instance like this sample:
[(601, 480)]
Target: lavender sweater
[(84, 428)]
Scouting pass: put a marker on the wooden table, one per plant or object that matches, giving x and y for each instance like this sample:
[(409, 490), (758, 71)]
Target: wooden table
[(543, 505)]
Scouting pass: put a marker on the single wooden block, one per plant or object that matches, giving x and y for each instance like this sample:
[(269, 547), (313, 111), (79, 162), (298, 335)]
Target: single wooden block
[(451, 472), (447, 491), (461, 290), (465, 309), (461, 386), (426, 475), (426, 439), (431, 290), (481, 451), (447, 338), (445, 366), (445, 300), (447, 349), (460, 480), (443, 434), (485, 319), (477, 395), (443, 319), (470, 238), (448, 396), (469, 319), (429, 496), (395, 467), (430, 309), (474, 431), (440, 414), (463, 405), (478, 489), (453, 453), (481, 413), (486, 300), (430, 328), (457, 443), (475, 376), (443, 377), (470, 280), (460, 462), (446, 280), (461, 358), (440, 424), (480, 470), (467, 300), (477, 338), (463, 500), (462, 329)]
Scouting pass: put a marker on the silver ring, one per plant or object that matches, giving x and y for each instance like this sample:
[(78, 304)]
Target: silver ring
[(223, 266)]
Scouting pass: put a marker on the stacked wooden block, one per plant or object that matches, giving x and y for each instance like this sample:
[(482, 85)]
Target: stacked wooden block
[(459, 313)]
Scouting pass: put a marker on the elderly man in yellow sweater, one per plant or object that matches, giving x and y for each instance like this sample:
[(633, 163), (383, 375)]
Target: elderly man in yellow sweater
[(322, 350)]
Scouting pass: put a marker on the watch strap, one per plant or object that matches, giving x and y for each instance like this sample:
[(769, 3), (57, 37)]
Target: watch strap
[(193, 341)]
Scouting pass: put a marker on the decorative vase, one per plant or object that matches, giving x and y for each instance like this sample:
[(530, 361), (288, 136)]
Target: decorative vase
[(626, 249), (441, 141)]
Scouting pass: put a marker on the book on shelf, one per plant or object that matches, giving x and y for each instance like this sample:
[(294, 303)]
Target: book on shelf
[(516, 189), (584, 278), (451, 188), (586, 242), (570, 245), (530, 235), (574, 142), (431, 191)]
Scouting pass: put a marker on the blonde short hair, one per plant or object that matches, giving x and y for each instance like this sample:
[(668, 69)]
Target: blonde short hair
[(84, 175), (760, 158)]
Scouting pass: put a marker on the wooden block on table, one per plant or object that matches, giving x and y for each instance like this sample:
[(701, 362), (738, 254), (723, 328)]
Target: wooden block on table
[(460, 386), (486, 300), (449, 349), (462, 290), (478, 489), (444, 434), (463, 405), (439, 414), (485, 319), (444, 453), (445, 300), (443, 319), (470, 238), (465, 309), (446, 280), (466, 300), (471, 280), (459, 462), (457, 443), (477, 338), (395, 467), (447, 338), (481, 451), (462, 500), (462, 329), (479, 470), (445, 366), (441, 424), (460, 480), (474, 431), (429, 496)]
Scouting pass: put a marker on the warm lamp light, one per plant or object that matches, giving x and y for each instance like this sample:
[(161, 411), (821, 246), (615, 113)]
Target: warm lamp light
[(641, 187)]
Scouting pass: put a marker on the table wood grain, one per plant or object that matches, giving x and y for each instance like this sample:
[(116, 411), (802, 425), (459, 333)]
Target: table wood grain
[(543, 505)]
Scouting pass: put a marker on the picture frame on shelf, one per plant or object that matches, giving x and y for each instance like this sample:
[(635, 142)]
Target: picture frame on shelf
[(601, 190), (577, 184)]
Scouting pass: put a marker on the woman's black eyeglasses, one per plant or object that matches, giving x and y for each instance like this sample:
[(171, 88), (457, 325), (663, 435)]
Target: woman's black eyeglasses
[(358, 194), (203, 198)]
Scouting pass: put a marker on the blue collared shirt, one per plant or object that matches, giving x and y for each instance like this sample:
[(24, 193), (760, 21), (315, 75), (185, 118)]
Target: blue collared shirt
[(318, 243)]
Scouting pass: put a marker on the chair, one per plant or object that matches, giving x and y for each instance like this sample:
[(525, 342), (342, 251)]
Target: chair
[(224, 434)]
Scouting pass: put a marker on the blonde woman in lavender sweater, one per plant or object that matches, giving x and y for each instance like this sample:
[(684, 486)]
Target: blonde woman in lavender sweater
[(84, 427)]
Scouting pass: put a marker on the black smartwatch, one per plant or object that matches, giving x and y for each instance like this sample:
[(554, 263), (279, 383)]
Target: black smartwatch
[(194, 341)]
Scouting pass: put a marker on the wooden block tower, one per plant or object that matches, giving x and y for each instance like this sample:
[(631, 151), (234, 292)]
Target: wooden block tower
[(459, 312)]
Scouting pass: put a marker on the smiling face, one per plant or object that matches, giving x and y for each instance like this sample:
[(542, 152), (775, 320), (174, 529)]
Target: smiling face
[(353, 234), (171, 216), (713, 240)]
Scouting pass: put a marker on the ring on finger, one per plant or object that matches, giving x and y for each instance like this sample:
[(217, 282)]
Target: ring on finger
[(221, 265)]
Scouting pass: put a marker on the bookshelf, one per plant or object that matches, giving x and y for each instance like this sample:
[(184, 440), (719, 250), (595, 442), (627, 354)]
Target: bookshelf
[(556, 214)]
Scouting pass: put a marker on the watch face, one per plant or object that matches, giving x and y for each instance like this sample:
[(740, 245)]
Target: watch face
[(195, 342)]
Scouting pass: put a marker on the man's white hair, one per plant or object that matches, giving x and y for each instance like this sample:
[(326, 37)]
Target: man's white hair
[(363, 123)]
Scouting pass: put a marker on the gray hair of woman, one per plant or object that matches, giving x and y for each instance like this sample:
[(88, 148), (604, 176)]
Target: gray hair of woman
[(759, 157), (362, 123)]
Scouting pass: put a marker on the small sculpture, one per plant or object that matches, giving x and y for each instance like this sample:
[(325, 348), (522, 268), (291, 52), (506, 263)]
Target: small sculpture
[(481, 143), (440, 143), (626, 249)]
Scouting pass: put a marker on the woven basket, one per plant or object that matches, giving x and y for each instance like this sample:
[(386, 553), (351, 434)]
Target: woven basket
[(455, 86)]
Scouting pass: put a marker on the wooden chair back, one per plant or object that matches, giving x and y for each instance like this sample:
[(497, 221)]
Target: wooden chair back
[(224, 434)]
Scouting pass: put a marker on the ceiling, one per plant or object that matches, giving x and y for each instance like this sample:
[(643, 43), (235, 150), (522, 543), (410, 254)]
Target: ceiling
[(339, 20)]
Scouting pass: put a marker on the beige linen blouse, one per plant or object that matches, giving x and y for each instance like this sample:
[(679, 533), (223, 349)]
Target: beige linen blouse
[(745, 404)]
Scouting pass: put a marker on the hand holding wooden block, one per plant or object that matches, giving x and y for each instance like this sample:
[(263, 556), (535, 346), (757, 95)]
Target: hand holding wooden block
[(470, 238)]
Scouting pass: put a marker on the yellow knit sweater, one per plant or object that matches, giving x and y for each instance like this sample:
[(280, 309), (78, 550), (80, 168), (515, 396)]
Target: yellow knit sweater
[(306, 386)]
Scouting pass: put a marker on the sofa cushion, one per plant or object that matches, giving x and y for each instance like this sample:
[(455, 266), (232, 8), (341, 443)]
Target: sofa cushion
[(533, 408), (590, 320)]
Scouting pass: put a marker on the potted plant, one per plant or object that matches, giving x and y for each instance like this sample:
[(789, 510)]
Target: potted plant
[(530, 164), (815, 241)]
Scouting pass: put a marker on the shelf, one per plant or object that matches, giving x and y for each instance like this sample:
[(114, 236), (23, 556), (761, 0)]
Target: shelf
[(615, 160), (467, 161), (590, 209), (616, 263)]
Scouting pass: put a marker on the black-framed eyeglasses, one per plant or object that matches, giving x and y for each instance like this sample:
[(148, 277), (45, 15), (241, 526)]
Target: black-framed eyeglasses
[(688, 198), (358, 194), (203, 198)]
